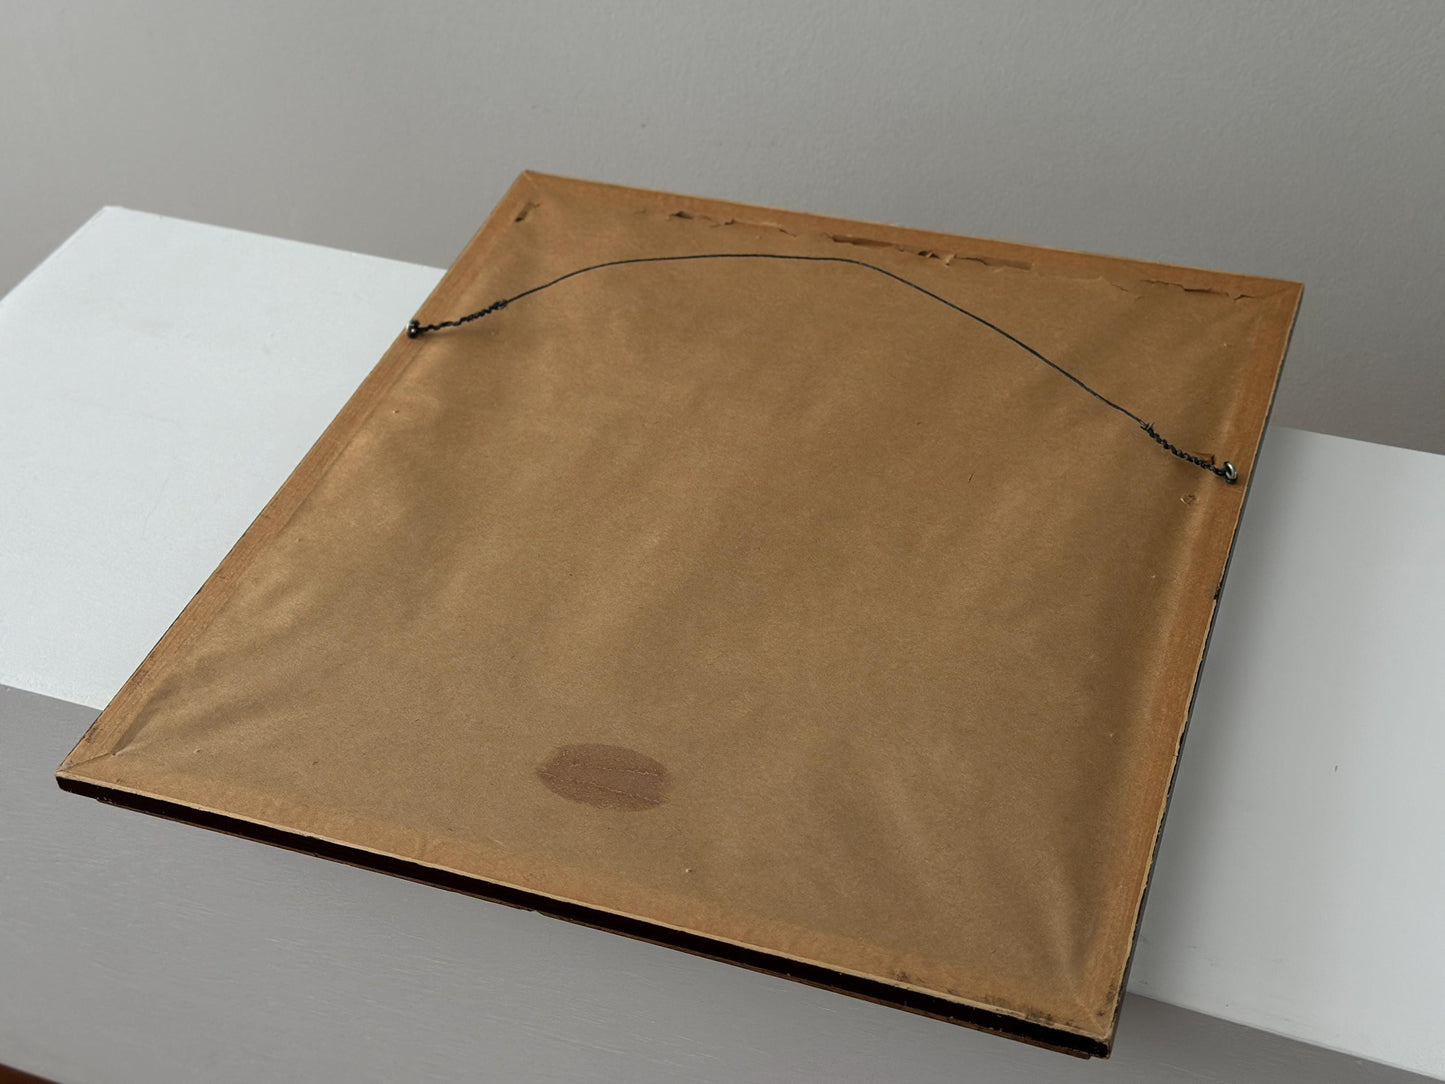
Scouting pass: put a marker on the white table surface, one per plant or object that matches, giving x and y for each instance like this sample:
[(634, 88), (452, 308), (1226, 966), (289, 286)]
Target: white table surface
[(1301, 884)]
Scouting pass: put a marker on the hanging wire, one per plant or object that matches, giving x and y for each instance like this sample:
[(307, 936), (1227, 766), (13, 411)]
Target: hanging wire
[(1227, 471)]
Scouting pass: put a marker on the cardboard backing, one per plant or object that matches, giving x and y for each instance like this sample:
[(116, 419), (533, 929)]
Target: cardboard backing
[(769, 610)]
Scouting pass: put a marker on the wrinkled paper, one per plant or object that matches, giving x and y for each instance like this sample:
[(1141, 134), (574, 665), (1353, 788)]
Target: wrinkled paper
[(771, 602)]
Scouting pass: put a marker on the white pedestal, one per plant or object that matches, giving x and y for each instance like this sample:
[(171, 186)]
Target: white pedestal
[(161, 378)]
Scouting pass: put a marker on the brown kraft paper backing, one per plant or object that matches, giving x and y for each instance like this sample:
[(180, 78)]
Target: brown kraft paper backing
[(766, 609)]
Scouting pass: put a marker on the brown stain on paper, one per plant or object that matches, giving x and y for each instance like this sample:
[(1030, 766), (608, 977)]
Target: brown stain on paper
[(606, 776)]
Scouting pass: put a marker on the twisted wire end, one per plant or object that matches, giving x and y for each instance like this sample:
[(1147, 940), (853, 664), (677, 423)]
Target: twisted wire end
[(416, 328), (1227, 472)]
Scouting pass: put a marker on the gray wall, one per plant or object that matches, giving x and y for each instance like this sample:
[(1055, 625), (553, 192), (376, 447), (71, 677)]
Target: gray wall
[(1305, 141)]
